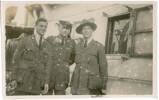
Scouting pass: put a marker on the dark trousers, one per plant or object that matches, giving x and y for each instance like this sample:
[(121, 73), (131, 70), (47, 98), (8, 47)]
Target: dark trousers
[(56, 92), (96, 92)]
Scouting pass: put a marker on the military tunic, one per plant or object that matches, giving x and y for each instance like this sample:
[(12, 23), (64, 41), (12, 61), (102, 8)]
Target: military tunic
[(91, 68), (62, 58), (32, 65)]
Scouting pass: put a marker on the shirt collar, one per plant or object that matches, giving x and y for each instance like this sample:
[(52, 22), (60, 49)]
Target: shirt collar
[(89, 40), (37, 36)]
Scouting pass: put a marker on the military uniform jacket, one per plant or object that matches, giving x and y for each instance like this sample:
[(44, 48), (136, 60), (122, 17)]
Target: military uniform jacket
[(91, 67), (62, 58), (32, 65)]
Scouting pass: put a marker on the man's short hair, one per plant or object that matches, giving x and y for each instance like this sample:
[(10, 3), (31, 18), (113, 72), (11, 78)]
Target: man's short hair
[(41, 20)]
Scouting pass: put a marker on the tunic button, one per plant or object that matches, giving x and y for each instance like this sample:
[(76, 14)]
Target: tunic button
[(87, 70), (30, 88), (88, 58), (58, 64), (60, 54)]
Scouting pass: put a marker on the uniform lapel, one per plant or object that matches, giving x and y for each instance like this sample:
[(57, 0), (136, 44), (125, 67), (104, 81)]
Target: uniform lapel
[(82, 43), (91, 47), (43, 44), (90, 43), (35, 44)]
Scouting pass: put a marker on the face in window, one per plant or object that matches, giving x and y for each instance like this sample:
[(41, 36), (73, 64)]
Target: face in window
[(87, 31), (64, 30), (41, 27)]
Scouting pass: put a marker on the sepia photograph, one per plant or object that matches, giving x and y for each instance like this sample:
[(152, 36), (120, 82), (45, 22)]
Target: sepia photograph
[(78, 48)]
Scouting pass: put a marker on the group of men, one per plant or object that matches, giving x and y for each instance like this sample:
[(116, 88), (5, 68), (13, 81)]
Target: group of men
[(41, 65)]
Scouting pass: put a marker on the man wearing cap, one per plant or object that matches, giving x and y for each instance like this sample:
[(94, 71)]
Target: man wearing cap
[(32, 62), (62, 57), (90, 74)]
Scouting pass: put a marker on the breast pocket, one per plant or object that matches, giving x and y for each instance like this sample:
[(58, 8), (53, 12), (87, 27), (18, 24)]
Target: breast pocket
[(28, 54), (92, 53), (92, 57)]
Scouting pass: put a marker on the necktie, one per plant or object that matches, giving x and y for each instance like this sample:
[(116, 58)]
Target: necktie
[(63, 41), (85, 44), (40, 41)]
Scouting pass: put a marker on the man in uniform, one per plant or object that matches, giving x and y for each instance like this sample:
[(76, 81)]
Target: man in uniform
[(62, 58), (90, 74), (10, 49), (32, 60)]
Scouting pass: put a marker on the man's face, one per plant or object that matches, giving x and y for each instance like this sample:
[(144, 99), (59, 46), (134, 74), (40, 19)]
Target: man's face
[(64, 31), (87, 32), (41, 27)]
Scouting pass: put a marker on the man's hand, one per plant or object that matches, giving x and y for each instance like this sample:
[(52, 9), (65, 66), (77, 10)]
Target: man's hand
[(68, 91), (11, 86), (46, 88)]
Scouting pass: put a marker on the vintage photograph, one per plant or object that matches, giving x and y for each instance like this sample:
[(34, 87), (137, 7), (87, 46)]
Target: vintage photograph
[(73, 48)]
